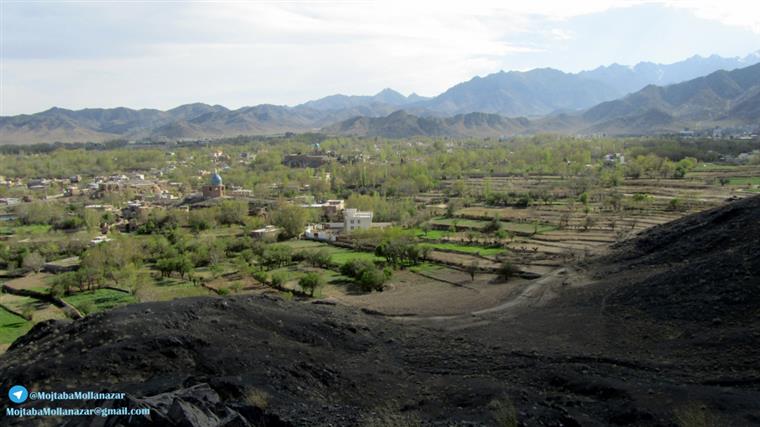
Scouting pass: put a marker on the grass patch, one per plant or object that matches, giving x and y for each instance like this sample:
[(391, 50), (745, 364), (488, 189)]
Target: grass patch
[(744, 180), (12, 327), (25, 229), (169, 289), (515, 227), (465, 223), (342, 256), (304, 244), (39, 282), (339, 255), (432, 234), (99, 300), (469, 249), (222, 231)]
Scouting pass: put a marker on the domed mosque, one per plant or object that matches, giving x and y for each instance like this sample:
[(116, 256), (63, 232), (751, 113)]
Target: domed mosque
[(215, 188)]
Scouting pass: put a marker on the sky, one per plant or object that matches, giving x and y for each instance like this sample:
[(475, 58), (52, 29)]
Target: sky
[(161, 54)]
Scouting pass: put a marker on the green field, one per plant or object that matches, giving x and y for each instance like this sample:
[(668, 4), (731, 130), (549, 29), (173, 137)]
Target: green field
[(99, 300), (165, 289), (342, 256), (339, 255), (222, 231), (745, 180), (16, 302), (467, 248), (304, 244), (432, 234), (12, 327), (518, 227), (24, 229)]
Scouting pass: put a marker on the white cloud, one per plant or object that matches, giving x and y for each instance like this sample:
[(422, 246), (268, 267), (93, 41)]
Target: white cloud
[(739, 13), (242, 53)]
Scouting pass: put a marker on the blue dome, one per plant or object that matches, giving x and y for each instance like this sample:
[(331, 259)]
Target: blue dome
[(216, 179)]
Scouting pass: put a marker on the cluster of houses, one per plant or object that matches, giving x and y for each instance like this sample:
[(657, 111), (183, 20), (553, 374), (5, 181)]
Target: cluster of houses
[(741, 158), (353, 220), (613, 158), (747, 132), (345, 221), (151, 192)]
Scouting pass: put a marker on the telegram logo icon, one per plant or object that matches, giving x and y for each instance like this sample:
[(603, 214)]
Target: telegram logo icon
[(18, 394)]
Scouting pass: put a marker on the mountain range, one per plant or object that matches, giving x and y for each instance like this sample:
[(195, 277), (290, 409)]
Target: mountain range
[(543, 100), (725, 98), (540, 91)]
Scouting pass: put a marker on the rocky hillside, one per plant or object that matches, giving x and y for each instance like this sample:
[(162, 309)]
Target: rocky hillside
[(402, 125), (713, 266), (531, 93), (720, 96)]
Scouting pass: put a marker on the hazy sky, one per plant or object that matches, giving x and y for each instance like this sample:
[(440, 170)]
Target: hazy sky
[(156, 54)]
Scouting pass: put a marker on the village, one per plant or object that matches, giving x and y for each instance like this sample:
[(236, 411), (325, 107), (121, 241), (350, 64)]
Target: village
[(327, 222)]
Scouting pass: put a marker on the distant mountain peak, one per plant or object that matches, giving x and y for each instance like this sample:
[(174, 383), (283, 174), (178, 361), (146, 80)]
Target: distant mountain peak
[(388, 91)]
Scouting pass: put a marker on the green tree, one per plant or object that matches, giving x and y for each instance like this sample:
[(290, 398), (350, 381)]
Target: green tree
[(279, 279), (372, 279), (493, 226), (202, 219), (318, 258), (291, 218), (277, 256), (33, 262), (232, 212), (472, 269), (311, 282), (506, 270)]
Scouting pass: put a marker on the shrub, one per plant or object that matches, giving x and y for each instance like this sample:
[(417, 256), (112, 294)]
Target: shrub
[(311, 282), (260, 276), (28, 312), (257, 398), (507, 270), (472, 269), (493, 226), (86, 307), (279, 278), (236, 287), (367, 275), (696, 415), (354, 267), (371, 279), (674, 204), (503, 412), (318, 258)]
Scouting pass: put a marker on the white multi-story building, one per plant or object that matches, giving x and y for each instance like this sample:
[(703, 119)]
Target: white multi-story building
[(354, 220)]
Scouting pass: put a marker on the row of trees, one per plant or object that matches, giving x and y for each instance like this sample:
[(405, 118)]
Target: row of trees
[(398, 252)]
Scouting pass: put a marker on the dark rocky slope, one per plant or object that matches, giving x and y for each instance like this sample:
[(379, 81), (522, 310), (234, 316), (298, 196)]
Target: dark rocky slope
[(711, 266)]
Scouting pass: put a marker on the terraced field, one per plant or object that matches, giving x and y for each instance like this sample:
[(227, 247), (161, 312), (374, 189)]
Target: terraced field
[(550, 233)]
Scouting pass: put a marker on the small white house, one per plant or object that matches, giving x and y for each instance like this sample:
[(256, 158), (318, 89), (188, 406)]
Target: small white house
[(320, 232)]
